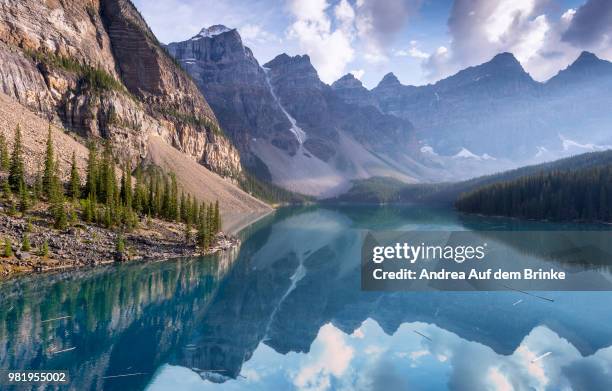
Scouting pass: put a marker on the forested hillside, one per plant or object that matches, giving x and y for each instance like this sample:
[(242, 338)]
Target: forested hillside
[(574, 195), (383, 190)]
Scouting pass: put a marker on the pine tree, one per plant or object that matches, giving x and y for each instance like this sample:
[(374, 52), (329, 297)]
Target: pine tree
[(7, 194), (139, 198), (210, 216), (5, 161), (8, 248), (120, 244), (217, 218), (202, 236), (56, 198), (166, 203), (12, 211), (188, 232), (89, 209), (126, 187), (195, 212), (49, 165), (16, 171), (173, 198), (91, 185), (61, 219), (25, 243), (183, 208), (44, 249), (38, 186), (75, 180), (24, 198)]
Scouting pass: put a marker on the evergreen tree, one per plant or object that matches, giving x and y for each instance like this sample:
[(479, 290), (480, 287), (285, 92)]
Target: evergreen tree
[(24, 198), (7, 194), (183, 208), (126, 187), (195, 212), (167, 202), (38, 186), (49, 165), (44, 249), (210, 215), (217, 218), (16, 170), (12, 211), (91, 186), (173, 198), (5, 161), (25, 243), (61, 219), (75, 180), (202, 237), (120, 244), (56, 199), (188, 232), (8, 248), (139, 192), (89, 209)]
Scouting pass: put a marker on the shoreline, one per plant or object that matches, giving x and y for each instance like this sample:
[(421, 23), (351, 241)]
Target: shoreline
[(88, 245)]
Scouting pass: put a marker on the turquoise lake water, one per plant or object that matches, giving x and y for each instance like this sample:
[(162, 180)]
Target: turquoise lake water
[(286, 311)]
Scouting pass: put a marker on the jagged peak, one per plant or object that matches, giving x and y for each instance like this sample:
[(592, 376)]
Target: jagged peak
[(348, 80), (212, 31), (587, 65), (389, 80), (587, 58), (507, 60), (284, 58)]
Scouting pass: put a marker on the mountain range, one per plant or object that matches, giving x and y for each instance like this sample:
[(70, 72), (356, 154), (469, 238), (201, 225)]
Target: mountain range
[(302, 134), (97, 70), (289, 126)]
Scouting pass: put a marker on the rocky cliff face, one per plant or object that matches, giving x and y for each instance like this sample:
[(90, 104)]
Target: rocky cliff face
[(349, 89), (96, 67), (325, 113), (290, 127), (237, 88)]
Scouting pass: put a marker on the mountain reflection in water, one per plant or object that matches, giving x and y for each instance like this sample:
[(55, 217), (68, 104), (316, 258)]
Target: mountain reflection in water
[(286, 311)]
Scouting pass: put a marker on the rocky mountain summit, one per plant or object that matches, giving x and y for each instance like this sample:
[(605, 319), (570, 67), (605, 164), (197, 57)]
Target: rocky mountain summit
[(237, 88), (290, 127)]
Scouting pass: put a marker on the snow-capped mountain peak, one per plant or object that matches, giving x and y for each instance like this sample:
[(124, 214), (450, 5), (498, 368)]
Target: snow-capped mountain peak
[(465, 153), (212, 31)]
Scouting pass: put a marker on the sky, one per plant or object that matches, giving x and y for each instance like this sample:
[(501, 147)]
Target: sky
[(420, 41)]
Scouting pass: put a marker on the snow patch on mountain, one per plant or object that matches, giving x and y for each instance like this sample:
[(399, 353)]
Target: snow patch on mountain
[(541, 151), (299, 133), (465, 153), (572, 145), (426, 149), (211, 31)]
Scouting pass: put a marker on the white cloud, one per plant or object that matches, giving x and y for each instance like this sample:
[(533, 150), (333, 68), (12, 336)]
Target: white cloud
[(480, 29), (358, 73), (413, 51), (498, 380), (333, 360), (253, 33), (329, 49), (568, 15)]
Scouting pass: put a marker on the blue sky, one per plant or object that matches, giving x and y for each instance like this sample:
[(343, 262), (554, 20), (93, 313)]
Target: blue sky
[(420, 41)]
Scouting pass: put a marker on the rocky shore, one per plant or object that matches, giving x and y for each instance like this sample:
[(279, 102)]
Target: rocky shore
[(87, 245)]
